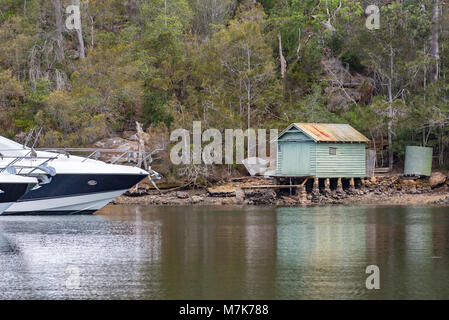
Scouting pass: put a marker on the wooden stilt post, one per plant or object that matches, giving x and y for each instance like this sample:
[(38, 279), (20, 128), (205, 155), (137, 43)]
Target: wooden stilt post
[(316, 186), (327, 186), (339, 186), (351, 185), (240, 195), (290, 187), (302, 194), (363, 184), (316, 190)]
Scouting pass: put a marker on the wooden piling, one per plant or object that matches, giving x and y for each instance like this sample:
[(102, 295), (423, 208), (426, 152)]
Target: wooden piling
[(327, 186), (316, 186), (302, 194), (339, 186), (239, 195)]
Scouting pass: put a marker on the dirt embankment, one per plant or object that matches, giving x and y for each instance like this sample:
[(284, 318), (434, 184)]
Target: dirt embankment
[(390, 190)]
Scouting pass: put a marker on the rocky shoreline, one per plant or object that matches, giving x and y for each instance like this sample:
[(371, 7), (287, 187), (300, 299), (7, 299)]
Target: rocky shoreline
[(389, 190)]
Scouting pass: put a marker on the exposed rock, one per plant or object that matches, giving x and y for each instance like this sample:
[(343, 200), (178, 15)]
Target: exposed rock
[(287, 201), (228, 201), (344, 87), (442, 201), (437, 178), (138, 193), (129, 135), (117, 143), (221, 191), (20, 137), (182, 195), (408, 182), (260, 196), (196, 199), (338, 97)]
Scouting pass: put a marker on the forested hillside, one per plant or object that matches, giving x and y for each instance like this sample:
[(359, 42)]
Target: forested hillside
[(228, 63)]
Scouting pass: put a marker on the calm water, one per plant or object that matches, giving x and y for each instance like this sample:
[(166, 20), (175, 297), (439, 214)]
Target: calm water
[(134, 252)]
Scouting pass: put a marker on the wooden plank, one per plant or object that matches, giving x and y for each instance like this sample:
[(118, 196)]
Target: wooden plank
[(292, 176), (382, 170), (282, 186)]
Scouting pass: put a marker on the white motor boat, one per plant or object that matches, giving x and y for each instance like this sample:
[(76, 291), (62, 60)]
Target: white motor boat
[(67, 184)]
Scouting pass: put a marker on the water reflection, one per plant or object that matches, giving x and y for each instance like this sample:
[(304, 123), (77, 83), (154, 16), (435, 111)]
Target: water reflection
[(135, 252)]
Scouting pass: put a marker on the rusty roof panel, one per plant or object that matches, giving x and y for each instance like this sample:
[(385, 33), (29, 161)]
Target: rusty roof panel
[(330, 132)]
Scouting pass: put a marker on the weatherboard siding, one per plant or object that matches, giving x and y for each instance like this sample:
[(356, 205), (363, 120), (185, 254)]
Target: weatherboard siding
[(349, 162), (294, 135), (279, 160), (299, 155), (313, 159)]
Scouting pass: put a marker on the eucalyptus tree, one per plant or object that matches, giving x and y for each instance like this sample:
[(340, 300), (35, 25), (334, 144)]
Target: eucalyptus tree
[(247, 61), (302, 30), (393, 56)]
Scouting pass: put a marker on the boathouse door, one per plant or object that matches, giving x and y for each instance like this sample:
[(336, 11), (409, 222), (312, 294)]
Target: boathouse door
[(295, 158)]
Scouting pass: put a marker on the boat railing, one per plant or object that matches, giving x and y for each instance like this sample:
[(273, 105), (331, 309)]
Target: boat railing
[(140, 158), (14, 165)]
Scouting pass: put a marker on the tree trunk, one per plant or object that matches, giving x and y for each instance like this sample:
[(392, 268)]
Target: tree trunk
[(390, 145), (283, 63), (434, 45), (92, 33), (59, 28), (441, 147), (390, 112), (165, 12), (282, 58), (81, 49), (249, 105), (141, 143), (248, 88), (79, 35)]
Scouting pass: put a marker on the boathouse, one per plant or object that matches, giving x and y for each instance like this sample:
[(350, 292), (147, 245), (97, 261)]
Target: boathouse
[(321, 150)]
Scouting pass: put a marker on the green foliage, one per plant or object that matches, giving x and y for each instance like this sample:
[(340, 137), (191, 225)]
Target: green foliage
[(156, 108), (173, 62), (353, 61), (312, 108)]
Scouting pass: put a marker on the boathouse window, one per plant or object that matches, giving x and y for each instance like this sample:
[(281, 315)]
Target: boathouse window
[(332, 151)]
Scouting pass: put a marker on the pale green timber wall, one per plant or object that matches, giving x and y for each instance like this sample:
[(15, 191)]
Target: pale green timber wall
[(350, 161), (296, 155)]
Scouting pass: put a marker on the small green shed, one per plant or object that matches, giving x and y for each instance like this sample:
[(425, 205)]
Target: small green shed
[(321, 150)]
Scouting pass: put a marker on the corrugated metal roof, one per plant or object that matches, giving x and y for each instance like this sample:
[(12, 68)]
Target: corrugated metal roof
[(331, 132)]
